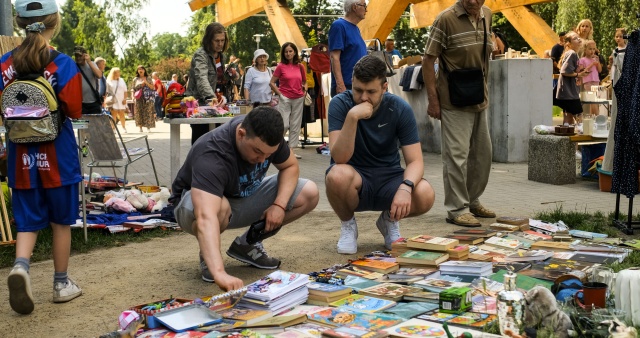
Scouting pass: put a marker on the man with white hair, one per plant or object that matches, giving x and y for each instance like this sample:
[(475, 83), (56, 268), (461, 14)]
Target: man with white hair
[(346, 45), (102, 82), (174, 79)]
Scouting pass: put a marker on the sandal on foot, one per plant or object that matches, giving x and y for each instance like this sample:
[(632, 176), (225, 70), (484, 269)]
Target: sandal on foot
[(465, 220), (482, 212)]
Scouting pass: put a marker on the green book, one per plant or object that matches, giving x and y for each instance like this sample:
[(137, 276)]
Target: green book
[(522, 282), (422, 257)]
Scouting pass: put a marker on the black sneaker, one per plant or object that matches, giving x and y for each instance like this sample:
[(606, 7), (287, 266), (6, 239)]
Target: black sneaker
[(206, 274), (253, 254)]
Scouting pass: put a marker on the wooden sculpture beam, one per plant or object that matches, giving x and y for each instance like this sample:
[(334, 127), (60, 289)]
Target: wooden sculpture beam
[(283, 23), (198, 4), (533, 29), (231, 11), (381, 17)]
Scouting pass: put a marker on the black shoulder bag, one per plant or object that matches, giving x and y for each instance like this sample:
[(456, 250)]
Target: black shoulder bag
[(93, 107), (466, 85)]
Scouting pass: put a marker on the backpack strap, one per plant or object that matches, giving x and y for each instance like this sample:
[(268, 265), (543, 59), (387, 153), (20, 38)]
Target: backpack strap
[(94, 90)]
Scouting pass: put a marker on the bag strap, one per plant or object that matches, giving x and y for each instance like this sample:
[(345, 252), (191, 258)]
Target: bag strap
[(484, 49), (95, 91)]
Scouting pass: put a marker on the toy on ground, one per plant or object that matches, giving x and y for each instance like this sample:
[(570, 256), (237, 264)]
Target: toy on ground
[(161, 199), (137, 199), (542, 312)]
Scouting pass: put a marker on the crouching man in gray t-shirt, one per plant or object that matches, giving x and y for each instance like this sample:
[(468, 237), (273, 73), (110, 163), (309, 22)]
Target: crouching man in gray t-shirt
[(222, 185)]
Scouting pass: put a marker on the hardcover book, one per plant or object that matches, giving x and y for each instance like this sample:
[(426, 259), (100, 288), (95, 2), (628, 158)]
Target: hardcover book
[(466, 239), (376, 265), (435, 243), (553, 268), (389, 291), (459, 252), (538, 236), (326, 289), (363, 303), (466, 267), (362, 320), (551, 246), (503, 227), (422, 258), (485, 233)]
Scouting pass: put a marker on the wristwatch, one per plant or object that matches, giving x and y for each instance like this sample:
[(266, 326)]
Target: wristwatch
[(408, 183)]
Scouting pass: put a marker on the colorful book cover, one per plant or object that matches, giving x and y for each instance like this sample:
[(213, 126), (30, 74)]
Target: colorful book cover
[(249, 316), (420, 238), (310, 329), (422, 257), (303, 309), (358, 283), (376, 265), (390, 290), (472, 319), (522, 281), (437, 316), (422, 272), (280, 321), (443, 241), (351, 332), (484, 304), (363, 303), (276, 284), (361, 320), (531, 255), (353, 270), (411, 309), (325, 287), (416, 328), (587, 234), (437, 285)]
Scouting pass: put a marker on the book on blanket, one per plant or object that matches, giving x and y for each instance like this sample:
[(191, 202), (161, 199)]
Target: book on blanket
[(363, 303), (376, 265), (328, 290), (342, 317), (432, 243), (352, 332), (280, 321), (390, 291), (249, 316), (422, 258), (276, 284)]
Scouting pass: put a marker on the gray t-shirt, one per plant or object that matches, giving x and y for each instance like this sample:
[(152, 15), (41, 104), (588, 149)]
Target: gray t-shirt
[(257, 83), (567, 87), (88, 95), (376, 143), (215, 165)]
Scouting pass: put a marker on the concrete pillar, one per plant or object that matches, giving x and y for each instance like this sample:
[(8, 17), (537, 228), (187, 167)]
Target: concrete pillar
[(6, 18)]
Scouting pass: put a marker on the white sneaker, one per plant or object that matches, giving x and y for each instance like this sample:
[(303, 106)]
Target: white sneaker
[(20, 296), (348, 242), (65, 292), (389, 229)]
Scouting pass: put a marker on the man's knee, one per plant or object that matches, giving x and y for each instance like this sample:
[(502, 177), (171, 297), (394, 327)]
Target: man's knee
[(309, 196), (340, 177), (425, 197)]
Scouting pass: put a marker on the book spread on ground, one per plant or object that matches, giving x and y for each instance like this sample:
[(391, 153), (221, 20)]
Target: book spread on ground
[(422, 257), (476, 232), (366, 321), (389, 291), (466, 267), (376, 265), (411, 309), (531, 255), (510, 244), (435, 243), (275, 285), (438, 285), (364, 303)]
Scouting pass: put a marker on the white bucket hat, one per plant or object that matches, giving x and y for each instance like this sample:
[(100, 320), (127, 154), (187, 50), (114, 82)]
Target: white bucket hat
[(259, 52)]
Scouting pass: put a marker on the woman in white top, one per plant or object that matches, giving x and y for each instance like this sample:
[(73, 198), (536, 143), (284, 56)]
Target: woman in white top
[(117, 88), (256, 81)]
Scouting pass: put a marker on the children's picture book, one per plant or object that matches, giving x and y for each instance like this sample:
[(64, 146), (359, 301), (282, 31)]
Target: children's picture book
[(351, 332), (275, 285), (309, 329), (485, 233), (376, 265), (422, 257), (416, 328), (363, 303), (435, 243), (362, 320), (475, 320), (411, 309), (501, 242), (437, 316), (390, 291)]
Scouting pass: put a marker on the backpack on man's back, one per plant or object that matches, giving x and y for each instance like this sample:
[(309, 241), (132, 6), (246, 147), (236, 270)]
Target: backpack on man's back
[(30, 110)]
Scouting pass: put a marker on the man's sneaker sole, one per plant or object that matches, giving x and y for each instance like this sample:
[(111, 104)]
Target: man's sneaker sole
[(347, 252), (244, 260), (208, 280), (67, 298), (19, 298)]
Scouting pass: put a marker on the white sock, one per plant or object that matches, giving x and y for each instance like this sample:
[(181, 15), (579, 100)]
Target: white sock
[(349, 222)]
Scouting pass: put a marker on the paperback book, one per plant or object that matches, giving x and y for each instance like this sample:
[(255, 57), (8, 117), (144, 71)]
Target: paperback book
[(276, 284), (526, 256), (435, 243), (248, 316), (389, 291), (352, 332), (484, 233), (422, 258), (467, 267), (353, 270), (437, 316), (438, 285), (411, 309), (466, 239), (358, 283), (326, 289), (416, 328), (363, 303), (474, 320), (362, 320), (280, 321), (587, 234), (504, 243), (376, 265), (511, 266), (423, 296)]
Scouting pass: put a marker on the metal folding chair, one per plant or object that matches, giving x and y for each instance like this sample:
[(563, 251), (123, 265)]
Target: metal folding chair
[(109, 150)]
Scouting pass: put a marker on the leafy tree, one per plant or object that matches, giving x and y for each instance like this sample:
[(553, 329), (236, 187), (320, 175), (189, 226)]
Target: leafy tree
[(169, 45), (93, 31), (199, 22), (242, 43), (168, 67), (125, 20), (408, 41), (316, 29), (138, 53), (65, 40)]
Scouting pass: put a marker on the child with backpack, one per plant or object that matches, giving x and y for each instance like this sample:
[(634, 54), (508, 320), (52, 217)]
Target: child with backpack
[(44, 175)]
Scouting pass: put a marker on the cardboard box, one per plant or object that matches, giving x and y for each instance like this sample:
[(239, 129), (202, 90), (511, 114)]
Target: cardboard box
[(245, 109), (455, 300)]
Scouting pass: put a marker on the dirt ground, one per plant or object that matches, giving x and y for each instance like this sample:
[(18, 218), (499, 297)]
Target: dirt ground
[(115, 279)]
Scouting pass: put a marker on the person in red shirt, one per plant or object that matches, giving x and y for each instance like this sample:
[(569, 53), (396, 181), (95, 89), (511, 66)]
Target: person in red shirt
[(161, 92), (44, 176)]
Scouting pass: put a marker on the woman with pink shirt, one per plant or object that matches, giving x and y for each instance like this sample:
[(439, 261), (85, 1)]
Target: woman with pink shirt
[(292, 79)]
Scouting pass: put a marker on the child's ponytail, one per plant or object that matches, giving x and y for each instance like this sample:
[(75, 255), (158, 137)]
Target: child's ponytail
[(32, 56)]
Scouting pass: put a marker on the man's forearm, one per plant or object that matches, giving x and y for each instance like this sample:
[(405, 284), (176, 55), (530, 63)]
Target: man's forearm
[(208, 234), (414, 171), (336, 69), (342, 148), (429, 74)]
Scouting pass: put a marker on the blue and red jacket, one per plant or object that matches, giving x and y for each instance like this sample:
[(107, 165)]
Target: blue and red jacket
[(53, 164)]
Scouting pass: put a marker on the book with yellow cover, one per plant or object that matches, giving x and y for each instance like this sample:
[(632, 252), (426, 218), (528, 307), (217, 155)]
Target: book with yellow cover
[(376, 265)]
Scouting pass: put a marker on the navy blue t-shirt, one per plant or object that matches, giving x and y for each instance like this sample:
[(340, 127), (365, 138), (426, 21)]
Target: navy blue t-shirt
[(345, 37), (377, 138)]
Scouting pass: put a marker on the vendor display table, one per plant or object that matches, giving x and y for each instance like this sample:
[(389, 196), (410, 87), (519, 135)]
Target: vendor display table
[(605, 103), (174, 138)]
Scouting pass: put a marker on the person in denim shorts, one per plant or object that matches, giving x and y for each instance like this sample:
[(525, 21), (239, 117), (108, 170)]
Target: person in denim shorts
[(223, 184), (366, 124)]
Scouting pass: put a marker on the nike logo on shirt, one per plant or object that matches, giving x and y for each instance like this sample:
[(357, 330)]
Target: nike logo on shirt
[(382, 125)]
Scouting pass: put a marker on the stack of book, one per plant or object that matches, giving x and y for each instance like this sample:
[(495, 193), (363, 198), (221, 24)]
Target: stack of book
[(276, 292), (459, 252), (323, 293), (418, 258), (466, 268), (466, 239), (398, 247), (376, 265), (407, 275), (363, 303), (389, 291)]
